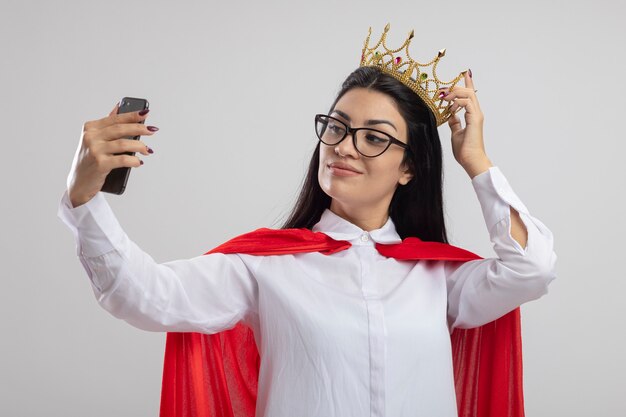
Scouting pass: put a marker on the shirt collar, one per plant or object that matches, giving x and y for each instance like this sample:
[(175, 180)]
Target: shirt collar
[(339, 228)]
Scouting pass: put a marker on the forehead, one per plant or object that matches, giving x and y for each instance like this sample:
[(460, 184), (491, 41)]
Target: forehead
[(361, 104), (368, 102)]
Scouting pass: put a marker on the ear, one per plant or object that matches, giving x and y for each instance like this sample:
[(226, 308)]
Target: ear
[(406, 176)]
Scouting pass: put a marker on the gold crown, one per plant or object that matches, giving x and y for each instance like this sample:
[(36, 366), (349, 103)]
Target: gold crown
[(417, 76)]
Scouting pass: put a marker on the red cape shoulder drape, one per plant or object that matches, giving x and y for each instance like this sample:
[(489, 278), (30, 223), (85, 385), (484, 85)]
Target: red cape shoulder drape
[(216, 375)]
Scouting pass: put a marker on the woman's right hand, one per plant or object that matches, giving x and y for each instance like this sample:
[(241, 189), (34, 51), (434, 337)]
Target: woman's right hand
[(95, 158)]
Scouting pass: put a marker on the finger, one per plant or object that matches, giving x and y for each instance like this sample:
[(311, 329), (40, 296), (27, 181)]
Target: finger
[(472, 113), (455, 123), (467, 79), (126, 145), (123, 161), (459, 92), (460, 102), (469, 83), (463, 94), (114, 118), (122, 130)]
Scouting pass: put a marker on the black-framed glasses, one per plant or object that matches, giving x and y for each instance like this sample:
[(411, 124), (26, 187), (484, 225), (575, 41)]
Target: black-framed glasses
[(367, 141)]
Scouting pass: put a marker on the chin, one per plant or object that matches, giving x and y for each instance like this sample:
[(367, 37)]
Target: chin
[(344, 194), (346, 190)]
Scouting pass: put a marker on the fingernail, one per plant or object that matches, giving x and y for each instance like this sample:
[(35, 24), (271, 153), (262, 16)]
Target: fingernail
[(442, 94), (470, 72), (144, 112), (140, 162), (153, 128), (149, 149)]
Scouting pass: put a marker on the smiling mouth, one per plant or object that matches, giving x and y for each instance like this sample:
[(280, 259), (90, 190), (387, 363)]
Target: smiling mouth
[(336, 170)]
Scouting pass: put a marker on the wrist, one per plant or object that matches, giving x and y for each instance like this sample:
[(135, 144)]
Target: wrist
[(477, 167), (78, 202), (77, 199)]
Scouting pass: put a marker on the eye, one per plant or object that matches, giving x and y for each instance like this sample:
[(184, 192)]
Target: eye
[(376, 139), (335, 128)]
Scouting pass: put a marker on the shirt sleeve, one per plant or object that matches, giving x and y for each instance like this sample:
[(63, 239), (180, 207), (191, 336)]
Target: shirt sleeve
[(483, 290), (207, 293)]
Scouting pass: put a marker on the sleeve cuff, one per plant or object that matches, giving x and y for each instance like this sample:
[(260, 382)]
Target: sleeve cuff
[(95, 228), (496, 196)]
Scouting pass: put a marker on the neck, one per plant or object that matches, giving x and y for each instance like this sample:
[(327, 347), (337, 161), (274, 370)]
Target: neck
[(367, 218)]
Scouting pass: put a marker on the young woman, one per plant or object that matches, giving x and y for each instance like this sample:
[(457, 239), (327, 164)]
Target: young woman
[(348, 333)]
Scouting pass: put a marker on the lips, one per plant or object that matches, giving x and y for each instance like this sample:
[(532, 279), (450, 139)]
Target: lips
[(342, 165)]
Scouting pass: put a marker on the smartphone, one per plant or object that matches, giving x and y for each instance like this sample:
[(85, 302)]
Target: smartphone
[(115, 182)]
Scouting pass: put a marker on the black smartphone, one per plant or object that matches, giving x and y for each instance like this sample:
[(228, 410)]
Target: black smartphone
[(115, 182)]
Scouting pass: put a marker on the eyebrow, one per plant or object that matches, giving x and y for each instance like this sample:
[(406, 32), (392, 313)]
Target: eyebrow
[(367, 122)]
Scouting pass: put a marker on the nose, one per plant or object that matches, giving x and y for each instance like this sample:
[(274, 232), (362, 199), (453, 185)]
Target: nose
[(346, 146)]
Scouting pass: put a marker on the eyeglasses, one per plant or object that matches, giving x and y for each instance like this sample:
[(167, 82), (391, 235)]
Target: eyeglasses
[(368, 142)]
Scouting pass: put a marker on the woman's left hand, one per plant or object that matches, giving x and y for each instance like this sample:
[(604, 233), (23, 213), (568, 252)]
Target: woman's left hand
[(467, 142)]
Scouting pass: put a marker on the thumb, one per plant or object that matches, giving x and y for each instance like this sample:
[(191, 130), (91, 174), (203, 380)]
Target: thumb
[(114, 111)]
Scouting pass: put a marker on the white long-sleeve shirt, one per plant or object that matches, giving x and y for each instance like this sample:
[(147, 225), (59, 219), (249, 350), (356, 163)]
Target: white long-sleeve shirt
[(348, 334)]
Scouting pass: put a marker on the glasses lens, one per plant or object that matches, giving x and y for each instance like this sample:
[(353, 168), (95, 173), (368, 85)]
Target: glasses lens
[(330, 131), (371, 142)]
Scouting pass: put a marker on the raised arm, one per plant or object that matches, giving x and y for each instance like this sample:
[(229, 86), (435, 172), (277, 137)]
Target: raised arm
[(484, 290), (208, 293)]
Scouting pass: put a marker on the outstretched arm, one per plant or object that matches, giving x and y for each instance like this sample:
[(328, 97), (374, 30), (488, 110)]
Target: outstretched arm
[(207, 293)]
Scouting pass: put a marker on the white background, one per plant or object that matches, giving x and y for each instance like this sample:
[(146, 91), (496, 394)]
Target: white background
[(233, 88)]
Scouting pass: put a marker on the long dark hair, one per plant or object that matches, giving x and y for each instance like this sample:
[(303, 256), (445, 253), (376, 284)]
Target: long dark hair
[(417, 207)]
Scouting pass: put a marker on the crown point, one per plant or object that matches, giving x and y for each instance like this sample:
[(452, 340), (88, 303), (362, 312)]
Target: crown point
[(412, 34), (442, 52), (387, 27)]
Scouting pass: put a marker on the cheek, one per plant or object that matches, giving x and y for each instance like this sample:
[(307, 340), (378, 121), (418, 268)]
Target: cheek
[(325, 152), (322, 173), (324, 178), (384, 176), (325, 156)]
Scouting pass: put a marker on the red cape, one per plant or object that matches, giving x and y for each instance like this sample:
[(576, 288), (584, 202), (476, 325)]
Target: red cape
[(216, 375)]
